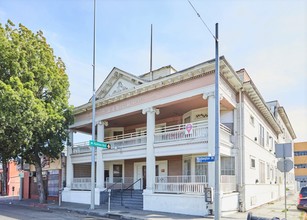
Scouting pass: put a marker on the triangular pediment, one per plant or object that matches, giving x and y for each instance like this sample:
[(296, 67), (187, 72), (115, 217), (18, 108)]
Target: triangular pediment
[(118, 81)]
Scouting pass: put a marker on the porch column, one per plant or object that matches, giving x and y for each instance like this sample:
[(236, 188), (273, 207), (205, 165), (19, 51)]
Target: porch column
[(69, 166), (100, 162), (211, 136), (150, 156)]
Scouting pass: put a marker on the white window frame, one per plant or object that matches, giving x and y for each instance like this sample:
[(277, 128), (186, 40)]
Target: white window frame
[(252, 162)]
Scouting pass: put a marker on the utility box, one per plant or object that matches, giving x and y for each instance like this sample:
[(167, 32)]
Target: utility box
[(209, 194)]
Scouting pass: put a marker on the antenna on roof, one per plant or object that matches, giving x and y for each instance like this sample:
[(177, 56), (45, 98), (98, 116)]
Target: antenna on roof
[(151, 74)]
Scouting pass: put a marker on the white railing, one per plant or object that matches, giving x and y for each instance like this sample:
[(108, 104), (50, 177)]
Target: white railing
[(81, 183), (196, 130), (181, 132), (126, 140), (228, 183), (181, 184), (81, 147)]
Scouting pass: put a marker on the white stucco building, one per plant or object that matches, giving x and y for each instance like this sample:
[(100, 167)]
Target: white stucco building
[(160, 124)]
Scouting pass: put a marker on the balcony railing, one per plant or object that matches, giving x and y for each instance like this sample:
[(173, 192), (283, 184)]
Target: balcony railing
[(190, 131), (81, 183), (126, 140), (181, 184), (182, 132), (82, 147)]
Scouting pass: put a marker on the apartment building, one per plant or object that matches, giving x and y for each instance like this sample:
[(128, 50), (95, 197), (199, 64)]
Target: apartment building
[(300, 163), (161, 125)]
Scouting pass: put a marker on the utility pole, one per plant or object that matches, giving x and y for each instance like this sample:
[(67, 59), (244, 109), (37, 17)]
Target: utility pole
[(217, 127), (93, 118)]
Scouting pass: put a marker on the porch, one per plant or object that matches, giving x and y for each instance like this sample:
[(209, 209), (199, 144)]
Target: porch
[(194, 132), (163, 184)]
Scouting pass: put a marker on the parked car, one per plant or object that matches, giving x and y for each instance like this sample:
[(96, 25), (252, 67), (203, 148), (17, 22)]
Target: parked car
[(302, 199)]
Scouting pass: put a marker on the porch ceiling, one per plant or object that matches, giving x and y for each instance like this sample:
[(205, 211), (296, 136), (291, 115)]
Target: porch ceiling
[(172, 109)]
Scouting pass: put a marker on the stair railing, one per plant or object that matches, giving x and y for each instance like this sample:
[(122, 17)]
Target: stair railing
[(111, 187), (129, 188)]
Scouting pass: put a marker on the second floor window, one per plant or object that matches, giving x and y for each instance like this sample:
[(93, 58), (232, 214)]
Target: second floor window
[(261, 135)]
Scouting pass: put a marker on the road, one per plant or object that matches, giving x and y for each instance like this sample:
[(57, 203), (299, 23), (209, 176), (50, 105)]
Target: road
[(14, 212)]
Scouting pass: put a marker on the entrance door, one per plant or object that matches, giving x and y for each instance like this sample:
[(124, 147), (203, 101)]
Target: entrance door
[(144, 176)]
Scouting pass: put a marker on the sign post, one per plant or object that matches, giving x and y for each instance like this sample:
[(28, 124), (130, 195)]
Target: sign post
[(285, 164)]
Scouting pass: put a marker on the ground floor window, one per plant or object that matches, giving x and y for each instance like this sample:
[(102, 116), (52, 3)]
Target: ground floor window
[(228, 166), (201, 168)]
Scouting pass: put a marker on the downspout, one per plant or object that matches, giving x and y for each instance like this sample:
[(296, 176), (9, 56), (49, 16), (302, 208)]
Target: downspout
[(242, 155)]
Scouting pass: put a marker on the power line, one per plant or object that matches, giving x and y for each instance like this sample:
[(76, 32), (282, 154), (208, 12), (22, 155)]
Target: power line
[(202, 20)]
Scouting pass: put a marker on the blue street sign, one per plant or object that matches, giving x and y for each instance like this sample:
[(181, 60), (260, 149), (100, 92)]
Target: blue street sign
[(205, 159)]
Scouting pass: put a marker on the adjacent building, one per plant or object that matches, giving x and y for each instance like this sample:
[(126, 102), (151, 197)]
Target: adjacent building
[(300, 163), (161, 126)]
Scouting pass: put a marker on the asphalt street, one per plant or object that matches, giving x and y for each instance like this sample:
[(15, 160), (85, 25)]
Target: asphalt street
[(14, 212)]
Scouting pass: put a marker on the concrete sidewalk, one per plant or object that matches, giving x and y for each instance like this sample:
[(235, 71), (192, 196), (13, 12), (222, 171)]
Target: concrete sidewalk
[(273, 209)]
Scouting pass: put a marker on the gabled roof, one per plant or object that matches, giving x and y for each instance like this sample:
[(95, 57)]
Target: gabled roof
[(120, 85), (116, 82)]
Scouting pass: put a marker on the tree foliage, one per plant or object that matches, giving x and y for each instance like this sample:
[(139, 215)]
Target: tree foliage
[(34, 92)]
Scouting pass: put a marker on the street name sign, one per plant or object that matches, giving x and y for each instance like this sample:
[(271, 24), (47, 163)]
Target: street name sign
[(99, 144), (205, 159)]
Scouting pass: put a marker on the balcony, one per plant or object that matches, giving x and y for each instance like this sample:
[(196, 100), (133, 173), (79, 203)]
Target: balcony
[(174, 133)]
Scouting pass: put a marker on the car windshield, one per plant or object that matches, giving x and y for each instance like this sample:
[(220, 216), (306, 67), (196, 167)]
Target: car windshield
[(304, 191)]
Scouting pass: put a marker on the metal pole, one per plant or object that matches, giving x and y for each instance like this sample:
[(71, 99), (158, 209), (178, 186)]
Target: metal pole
[(93, 120), (21, 178), (285, 183), (109, 200), (217, 128), (151, 74)]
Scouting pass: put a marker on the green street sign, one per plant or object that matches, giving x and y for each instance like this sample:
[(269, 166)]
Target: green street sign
[(99, 144)]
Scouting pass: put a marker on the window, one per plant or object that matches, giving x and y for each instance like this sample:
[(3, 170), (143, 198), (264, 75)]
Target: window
[(117, 172), (261, 135), (252, 120), (227, 166), (261, 172), (187, 167), (201, 168), (267, 139), (268, 176), (253, 162), (300, 153)]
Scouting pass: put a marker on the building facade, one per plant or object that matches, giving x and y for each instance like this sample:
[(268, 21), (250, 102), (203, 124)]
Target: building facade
[(300, 163), (161, 126)]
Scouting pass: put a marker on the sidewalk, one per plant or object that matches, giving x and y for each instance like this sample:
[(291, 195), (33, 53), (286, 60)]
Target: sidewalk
[(274, 209)]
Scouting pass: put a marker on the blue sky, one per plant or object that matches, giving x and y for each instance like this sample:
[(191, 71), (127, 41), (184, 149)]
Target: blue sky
[(268, 38)]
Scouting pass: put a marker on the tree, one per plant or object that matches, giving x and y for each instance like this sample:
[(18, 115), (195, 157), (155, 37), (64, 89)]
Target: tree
[(30, 71)]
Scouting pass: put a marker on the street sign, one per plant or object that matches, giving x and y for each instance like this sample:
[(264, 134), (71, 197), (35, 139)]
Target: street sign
[(205, 159), (283, 150), (99, 144), (285, 165)]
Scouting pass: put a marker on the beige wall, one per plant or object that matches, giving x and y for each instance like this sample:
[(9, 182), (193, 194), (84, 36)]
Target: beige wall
[(301, 146)]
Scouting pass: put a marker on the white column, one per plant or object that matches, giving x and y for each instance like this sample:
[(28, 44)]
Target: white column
[(69, 166), (211, 136), (100, 162), (150, 156)]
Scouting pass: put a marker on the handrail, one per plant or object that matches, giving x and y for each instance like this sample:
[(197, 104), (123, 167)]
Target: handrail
[(122, 191), (110, 187)]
